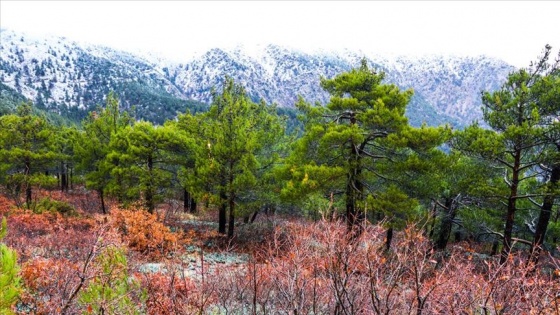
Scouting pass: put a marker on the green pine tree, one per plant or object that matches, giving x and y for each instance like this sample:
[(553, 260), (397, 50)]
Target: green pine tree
[(147, 156), (93, 147), (516, 140), (345, 141), (235, 144), (25, 151), (112, 290)]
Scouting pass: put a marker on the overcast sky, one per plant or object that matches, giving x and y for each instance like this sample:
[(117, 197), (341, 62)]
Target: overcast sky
[(514, 31)]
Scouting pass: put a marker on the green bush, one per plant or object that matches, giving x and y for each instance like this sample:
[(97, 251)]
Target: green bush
[(112, 291), (49, 205), (10, 286)]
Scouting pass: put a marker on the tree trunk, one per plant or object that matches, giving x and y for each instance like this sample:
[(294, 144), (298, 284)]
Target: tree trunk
[(556, 218), (389, 238), (149, 195), (189, 204), (222, 213), (254, 216), (544, 215), (450, 211), (118, 179), (63, 178), (433, 216), (350, 204), (150, 200), (67, 177), (354, 193), (231, 224), (250, 218), (28, 182), (231, 199), (186, 200), (495, 247), (100, 192), (354, 188), (193, 205), (511, 208)]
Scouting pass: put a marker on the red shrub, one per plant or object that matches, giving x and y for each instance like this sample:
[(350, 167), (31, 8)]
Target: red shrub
[(48, 284)]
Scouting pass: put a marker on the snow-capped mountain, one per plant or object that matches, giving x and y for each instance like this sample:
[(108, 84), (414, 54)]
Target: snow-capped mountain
[(446, 88), (58, 73), (70, 78)]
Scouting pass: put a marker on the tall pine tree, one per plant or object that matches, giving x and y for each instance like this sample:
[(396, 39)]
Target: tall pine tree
[(93, 147), (516, 141), (25, 150), (344, 141), (235, 141)]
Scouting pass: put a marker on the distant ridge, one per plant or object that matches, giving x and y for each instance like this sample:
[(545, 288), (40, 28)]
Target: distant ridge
[(63, 75)]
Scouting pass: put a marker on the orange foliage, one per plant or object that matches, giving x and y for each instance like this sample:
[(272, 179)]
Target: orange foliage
[(48, 283), (316, 268), (38, 274), (6, 205), (144, 233)]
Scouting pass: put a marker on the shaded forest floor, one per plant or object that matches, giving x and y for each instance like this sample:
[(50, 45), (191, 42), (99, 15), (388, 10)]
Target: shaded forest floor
[(176, 263)]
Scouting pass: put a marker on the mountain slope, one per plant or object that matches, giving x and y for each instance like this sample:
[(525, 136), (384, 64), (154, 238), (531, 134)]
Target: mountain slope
[(447, 89), (70, 78)]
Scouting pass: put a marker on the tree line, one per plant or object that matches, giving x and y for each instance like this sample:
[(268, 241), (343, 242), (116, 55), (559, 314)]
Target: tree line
[(355, 158)]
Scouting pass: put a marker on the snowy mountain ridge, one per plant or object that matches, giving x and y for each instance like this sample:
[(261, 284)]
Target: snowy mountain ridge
[(56, 72), (443, 85)]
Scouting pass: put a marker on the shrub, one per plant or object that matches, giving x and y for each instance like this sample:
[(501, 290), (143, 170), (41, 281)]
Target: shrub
[(49, 205), (112, 291), (52, 284), (48, 283), (144, 233), (6, 205), (9, 279), (170, 294)]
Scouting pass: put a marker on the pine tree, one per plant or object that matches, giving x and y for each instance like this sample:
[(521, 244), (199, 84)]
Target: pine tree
[(64, 147), (516, 141), (25, 150), (146, 156), (411, 178), (112, 291), (235, 141), (548, 87), (344, 141), (93, 146)]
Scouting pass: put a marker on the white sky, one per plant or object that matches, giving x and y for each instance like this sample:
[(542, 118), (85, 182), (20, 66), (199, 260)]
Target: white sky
[(514, 31)]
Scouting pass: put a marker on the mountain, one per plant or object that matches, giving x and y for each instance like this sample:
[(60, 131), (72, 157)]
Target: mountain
[(447, 89), (70, 78)]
